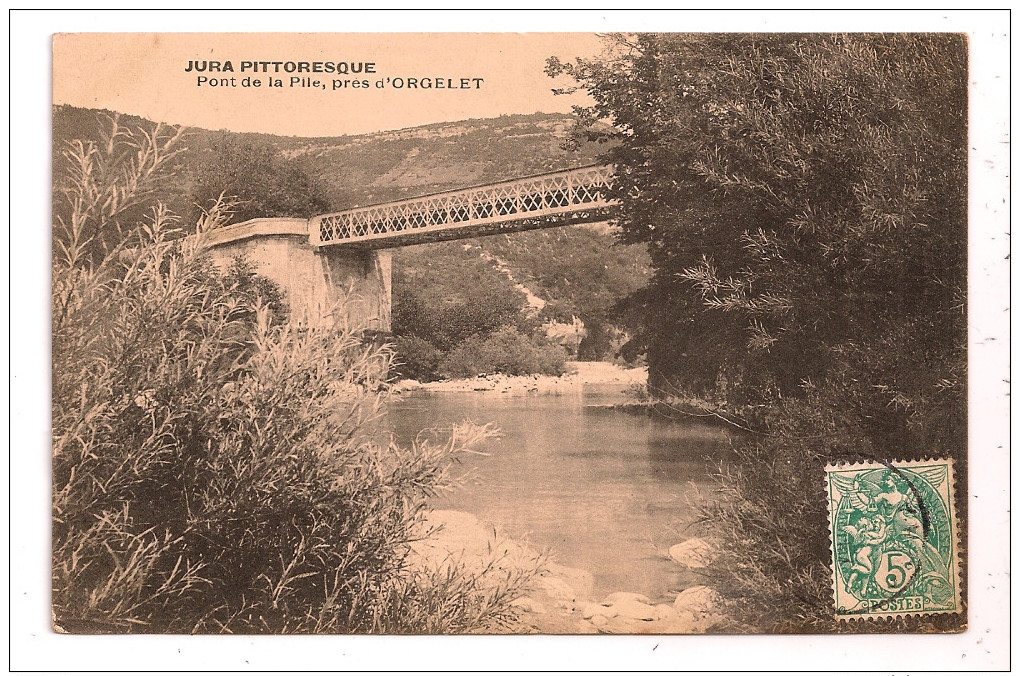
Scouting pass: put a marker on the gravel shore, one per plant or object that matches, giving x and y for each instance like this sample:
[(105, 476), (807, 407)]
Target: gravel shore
[(578, 373)]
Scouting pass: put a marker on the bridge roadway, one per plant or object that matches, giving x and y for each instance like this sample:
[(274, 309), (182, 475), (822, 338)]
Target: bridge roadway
[(333, 266)]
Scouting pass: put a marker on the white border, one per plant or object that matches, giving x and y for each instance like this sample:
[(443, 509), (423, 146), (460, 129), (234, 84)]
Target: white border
[(33, 646)]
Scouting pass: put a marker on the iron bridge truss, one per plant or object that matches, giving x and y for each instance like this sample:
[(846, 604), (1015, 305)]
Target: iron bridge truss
[(544, 201)]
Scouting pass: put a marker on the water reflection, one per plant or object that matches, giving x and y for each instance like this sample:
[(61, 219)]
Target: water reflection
[(604, 490)]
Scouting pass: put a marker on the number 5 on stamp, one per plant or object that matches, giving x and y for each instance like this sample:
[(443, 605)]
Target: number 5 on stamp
[(894, 536)]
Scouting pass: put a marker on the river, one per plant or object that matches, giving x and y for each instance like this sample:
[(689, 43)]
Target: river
[(600, 489)]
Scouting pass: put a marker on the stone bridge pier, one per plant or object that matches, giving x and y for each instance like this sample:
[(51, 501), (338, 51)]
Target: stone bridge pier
[(320, 282)]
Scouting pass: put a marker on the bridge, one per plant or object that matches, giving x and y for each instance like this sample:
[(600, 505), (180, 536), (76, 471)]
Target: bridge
[(338, 261)]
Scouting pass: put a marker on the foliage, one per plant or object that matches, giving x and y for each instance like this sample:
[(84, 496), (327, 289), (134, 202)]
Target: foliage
[(446, 293), (215, 471), (107, 185), (467, 301), (503, 351), (803, 198), (580, 272), (416, 358), (448, 323), (263, 182), (252, 289)]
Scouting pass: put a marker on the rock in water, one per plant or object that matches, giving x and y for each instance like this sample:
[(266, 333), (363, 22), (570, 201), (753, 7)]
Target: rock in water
[(699, 600), (693, 553), (581, 581), (618, 597), (635, 610)]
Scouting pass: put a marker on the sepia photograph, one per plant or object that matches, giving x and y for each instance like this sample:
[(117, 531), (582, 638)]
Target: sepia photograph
[(644, 333)]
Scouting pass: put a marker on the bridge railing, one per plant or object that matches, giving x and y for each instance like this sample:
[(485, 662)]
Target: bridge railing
[(559, 192)]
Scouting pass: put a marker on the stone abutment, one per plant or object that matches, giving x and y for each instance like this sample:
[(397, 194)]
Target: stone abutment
[(322, 285)]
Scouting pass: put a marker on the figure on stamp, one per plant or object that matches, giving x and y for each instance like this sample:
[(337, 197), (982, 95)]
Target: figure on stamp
[(868, 536)]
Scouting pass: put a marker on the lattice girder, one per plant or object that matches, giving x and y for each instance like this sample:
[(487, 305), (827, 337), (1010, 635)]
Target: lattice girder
[(534, 199)]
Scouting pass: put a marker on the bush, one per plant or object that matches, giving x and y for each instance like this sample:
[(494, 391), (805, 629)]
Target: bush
[(452, 330), (213, 470), (263, 182), (416, 358), (448, 322), (505, 351)]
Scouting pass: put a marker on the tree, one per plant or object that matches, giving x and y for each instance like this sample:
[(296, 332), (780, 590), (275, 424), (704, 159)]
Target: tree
[(803, 198), (476, 302), (264, 183)]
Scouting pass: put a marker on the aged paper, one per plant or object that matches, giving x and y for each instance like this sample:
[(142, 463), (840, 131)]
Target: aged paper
[(412, 202)]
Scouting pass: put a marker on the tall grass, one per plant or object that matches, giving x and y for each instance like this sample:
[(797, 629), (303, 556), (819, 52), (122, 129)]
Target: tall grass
[(213, 469)]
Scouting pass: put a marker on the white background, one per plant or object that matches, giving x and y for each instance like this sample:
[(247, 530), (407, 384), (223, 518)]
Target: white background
[(33, 645)]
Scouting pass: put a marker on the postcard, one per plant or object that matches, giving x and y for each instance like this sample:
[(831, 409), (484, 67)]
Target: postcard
[(641, 333)]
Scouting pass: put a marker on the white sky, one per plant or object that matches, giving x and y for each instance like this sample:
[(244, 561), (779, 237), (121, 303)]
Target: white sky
[(145, 74)]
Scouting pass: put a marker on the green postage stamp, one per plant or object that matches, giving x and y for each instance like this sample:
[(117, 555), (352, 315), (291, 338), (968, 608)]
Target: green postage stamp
[(894, 537)]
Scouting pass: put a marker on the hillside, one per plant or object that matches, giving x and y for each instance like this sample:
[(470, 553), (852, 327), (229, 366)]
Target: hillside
[(575, 271), (370, 168), (389, 165)]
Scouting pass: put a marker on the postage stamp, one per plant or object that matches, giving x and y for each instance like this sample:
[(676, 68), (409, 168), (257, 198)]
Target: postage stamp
[(894, 538)]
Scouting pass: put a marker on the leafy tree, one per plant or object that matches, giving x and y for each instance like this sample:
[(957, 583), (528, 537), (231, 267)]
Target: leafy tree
[(263, 182), (444, 294), (803, 198), (446, 324), (503, 351), (416, 358)]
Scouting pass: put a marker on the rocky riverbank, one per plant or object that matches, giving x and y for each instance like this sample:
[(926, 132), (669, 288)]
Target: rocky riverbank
[(578, 373), (559, 600)]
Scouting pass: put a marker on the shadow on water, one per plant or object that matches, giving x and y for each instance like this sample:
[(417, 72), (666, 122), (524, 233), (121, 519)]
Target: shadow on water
[(603, 490)]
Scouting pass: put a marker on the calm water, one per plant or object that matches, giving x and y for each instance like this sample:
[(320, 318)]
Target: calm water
[(602, 490)]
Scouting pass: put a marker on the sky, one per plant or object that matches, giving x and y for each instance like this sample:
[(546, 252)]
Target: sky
[(146, 74)]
